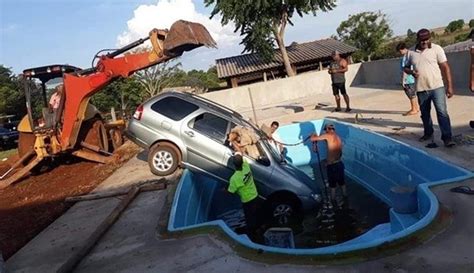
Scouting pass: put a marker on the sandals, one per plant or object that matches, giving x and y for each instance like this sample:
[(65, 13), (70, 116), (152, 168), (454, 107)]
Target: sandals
[(463, 189)]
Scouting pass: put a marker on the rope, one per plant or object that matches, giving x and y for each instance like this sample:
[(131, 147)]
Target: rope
[(293, 144)]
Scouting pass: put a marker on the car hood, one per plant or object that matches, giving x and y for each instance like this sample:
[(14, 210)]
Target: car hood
[(301, 176)]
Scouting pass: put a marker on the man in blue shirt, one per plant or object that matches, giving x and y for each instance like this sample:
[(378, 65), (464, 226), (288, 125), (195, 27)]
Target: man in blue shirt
[(408, 81)]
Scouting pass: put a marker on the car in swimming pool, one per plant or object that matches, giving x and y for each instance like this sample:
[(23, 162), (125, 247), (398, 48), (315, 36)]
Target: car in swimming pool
[(184, 128)]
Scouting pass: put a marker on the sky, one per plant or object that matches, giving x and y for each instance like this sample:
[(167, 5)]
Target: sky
[(41, 32)]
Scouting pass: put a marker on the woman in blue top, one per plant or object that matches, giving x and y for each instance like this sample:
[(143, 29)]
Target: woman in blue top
[(408, 81)]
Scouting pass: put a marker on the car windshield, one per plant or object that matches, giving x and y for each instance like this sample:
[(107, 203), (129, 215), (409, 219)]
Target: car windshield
[(276, 156)]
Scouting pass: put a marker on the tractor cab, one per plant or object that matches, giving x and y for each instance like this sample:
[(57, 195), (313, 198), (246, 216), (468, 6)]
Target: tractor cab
[(39, 89)]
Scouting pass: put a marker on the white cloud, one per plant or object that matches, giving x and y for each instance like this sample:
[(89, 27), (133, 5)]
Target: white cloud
[(165, 12)]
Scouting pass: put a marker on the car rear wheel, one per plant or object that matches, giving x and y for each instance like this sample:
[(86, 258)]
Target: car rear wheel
[(163, 159)]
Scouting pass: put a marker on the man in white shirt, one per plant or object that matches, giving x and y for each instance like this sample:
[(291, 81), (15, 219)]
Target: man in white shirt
[(274, 139), (428, 64)]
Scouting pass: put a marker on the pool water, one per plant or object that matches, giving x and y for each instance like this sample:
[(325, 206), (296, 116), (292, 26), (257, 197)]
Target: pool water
[(359, 213)]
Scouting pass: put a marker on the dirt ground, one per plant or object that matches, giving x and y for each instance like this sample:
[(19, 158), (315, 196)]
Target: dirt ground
[(27, 207)]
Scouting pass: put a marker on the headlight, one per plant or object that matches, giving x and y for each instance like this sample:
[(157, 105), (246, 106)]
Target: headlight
[(317, 197)]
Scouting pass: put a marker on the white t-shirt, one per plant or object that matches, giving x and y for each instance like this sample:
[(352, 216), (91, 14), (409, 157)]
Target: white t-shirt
[(427, 62), (273, 142)]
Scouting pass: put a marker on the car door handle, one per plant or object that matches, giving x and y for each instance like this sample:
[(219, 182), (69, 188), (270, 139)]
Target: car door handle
[(189, 133)]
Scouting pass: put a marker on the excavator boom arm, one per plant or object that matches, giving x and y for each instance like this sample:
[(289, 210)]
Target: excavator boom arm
[(166, 45)]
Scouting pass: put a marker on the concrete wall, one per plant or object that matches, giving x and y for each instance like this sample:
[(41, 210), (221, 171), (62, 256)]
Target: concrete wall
[(387, 72), (460, 63), (277, 91), (378, 73)]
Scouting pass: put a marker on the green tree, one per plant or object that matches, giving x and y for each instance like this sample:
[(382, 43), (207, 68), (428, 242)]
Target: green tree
[(157, 77), (471, 23), (124, 95), (367, 31), (12, 97), (454, 26), (263, 22), (461, 37)]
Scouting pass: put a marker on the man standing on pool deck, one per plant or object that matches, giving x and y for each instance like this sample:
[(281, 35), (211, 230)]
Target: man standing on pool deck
[(334, 165), (242, 183), (337, 69), (428, 61), (407, 81)]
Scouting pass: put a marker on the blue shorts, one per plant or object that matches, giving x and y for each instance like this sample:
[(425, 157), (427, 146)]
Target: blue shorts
[(336, 174)]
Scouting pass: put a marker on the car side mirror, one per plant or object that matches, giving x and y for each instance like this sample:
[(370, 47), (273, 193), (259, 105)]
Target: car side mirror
[(263, 160)]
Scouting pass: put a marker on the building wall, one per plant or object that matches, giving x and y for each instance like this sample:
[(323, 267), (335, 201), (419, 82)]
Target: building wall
[(276, 91), (378, 73), (387, 72)]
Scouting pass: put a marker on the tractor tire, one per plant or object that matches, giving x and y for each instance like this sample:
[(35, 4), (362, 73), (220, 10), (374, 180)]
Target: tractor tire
[(163, 159)]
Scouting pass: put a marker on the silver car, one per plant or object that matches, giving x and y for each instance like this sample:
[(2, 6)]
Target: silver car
[(184, 128)]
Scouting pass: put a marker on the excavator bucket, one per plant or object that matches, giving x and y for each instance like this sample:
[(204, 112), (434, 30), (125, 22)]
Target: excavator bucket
[(186, 36)]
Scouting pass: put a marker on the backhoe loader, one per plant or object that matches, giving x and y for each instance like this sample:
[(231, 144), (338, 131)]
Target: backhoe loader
[(76, 127)]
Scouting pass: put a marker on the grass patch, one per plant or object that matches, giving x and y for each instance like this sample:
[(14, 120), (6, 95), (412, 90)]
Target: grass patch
[(7, 153)]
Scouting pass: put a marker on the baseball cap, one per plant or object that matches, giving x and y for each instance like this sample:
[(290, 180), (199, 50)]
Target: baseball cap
[(329, 126), (423, 34)]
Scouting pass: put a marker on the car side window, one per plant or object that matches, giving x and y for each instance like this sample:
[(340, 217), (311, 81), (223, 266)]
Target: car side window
[(211, 125), (174, 108)]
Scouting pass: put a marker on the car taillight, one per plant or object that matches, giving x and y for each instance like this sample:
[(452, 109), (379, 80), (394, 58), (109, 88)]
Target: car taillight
[(138, 113)]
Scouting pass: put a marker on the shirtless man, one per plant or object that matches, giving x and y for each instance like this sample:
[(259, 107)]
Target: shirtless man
[(338, 67), (334, 165)]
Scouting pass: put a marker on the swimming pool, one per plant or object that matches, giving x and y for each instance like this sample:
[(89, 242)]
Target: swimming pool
[(375, 161)]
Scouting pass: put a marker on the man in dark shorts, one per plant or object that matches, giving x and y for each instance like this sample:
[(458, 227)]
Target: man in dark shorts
[(337, 69), (334, 165)]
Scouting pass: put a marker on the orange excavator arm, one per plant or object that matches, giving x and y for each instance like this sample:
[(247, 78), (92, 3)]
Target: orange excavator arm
[(80, 86)]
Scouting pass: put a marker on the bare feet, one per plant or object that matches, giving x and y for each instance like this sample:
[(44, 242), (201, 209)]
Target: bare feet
[(348, 109), (411, 112), (337, 109)]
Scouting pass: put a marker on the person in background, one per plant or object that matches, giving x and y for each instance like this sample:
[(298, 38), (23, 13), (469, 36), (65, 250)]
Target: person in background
[(408, 81), (428, 64), (55, 99), (334, 165), (242, 184), (274, 139), (54, 102), (337, 68), (471, 85)]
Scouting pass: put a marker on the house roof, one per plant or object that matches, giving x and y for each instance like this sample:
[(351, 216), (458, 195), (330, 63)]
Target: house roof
[(297, 53)]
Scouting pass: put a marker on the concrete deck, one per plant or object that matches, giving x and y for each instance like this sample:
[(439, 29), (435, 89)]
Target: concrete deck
[(132, 244)]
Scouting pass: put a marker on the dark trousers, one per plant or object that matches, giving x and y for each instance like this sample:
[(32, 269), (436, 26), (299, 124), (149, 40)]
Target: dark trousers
[(438, 97), (250, 212)]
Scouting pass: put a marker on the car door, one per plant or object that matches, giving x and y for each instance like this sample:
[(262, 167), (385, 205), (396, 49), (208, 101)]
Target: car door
[(204, 136)]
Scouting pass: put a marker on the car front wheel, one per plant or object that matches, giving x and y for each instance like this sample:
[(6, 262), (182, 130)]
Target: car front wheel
[(163, 159), (285, 212)]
